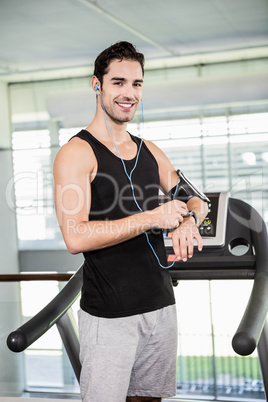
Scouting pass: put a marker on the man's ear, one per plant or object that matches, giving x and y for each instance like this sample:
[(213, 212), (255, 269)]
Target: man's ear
[(95, 84)]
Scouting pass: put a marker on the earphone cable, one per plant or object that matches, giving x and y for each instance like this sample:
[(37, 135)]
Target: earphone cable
[(129, 176)]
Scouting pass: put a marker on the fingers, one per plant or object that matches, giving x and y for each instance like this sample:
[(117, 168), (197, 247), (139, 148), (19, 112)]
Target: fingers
[(183, 242), (182, 248), (181, 207), (199, 242), (181, 210), (170, 215)]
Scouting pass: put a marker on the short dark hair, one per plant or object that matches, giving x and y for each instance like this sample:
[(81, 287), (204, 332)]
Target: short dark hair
[(119, 51)]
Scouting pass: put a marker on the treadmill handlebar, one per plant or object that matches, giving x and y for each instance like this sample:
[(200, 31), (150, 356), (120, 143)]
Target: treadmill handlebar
[(250, 328), (33, 329)]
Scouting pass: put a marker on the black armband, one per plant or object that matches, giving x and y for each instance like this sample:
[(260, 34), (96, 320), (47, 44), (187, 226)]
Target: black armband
[(185, 190)]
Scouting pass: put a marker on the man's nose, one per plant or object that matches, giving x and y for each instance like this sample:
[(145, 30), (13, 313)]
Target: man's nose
[(129, 92)]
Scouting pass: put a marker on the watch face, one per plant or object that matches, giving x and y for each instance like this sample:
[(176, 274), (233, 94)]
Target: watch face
[(193, 214)]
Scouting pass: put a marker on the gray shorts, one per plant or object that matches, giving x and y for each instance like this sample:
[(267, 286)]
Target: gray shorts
[(131, 356)]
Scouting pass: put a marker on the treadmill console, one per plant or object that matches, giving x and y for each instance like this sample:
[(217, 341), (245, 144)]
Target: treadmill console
[(213, 228)]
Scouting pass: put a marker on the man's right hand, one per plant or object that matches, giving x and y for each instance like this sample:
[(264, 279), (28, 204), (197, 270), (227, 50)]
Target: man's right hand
[(168, 215)]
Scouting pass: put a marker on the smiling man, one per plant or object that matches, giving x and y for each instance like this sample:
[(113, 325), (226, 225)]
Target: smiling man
[(117, 77), (107, 183)]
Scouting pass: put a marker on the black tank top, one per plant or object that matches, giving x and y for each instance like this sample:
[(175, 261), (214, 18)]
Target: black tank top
[(124, 279)]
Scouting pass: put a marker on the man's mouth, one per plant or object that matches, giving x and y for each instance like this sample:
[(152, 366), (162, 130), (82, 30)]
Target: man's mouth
[(126, 105)]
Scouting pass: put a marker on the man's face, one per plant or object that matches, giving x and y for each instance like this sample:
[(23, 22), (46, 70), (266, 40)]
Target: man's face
[(122, 89)]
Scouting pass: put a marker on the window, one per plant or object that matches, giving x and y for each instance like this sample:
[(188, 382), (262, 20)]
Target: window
[(33, 184), (47, 366), (219, 153), (207, 366)]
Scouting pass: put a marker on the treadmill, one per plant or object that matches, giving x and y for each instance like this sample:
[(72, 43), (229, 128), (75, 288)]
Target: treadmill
[(235, 246)]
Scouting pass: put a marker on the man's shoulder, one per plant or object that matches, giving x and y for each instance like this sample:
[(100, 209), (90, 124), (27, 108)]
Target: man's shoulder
[(76, 144), (151, 146), (75, 151)]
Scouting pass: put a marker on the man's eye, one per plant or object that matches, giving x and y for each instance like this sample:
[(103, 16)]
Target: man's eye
[(118, 83)]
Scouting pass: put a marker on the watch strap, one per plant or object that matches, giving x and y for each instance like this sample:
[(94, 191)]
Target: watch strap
[(193, 214)]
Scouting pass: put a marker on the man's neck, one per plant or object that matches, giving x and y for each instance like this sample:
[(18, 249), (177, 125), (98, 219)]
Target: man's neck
[(104, 131)]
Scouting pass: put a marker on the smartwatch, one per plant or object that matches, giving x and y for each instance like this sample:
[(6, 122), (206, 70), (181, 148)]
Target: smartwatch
[(193, 214)]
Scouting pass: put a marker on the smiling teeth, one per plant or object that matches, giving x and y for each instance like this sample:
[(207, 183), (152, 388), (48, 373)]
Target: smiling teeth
[(125, 104)]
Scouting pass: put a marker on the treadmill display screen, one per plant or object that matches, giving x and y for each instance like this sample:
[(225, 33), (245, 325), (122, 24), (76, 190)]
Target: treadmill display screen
[(213, 227)]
